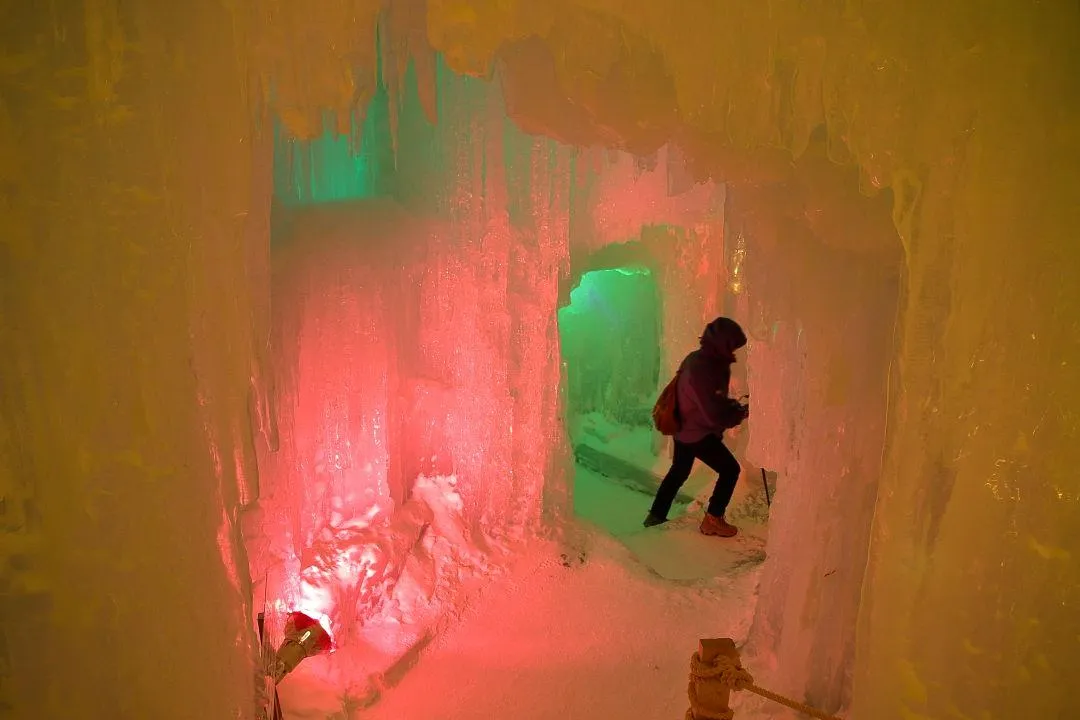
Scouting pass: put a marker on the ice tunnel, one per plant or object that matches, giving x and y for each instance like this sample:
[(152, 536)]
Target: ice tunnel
[(610, 340), (322, 309)]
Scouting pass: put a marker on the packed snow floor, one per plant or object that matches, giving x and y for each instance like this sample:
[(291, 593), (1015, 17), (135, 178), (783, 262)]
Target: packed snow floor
[(602, 638), (603, 630)]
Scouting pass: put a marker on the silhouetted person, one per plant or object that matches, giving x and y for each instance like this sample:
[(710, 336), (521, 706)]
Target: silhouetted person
[(705, 411)]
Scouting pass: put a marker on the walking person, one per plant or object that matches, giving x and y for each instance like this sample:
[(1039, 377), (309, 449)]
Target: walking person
[(702, 412)]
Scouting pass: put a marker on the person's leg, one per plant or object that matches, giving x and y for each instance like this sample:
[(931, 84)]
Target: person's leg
[(712, 451), (682, 462)]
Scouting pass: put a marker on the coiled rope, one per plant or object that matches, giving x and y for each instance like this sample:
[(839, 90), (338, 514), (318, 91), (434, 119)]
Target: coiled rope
[(727, 671)]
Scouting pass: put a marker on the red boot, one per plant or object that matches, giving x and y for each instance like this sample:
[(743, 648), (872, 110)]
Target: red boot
[(714, 525)]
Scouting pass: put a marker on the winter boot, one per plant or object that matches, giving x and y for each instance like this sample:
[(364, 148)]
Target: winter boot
[(653, 519), (716, 525)]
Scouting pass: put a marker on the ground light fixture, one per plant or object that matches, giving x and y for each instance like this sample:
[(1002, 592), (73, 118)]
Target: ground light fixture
[(304, 637)]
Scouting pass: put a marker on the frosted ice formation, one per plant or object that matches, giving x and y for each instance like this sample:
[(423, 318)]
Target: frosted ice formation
[(417, 339), (895, 227)]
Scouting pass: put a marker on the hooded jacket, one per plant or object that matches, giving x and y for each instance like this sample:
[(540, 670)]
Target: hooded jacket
[(704, 377)]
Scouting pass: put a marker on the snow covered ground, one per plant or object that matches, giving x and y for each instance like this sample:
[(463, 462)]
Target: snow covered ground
[(599, 638), (604, 630)]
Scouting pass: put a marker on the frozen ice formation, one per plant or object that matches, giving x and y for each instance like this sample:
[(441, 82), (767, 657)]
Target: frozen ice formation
[(264, 265)]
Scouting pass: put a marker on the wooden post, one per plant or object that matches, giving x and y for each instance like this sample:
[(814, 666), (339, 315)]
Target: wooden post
[(710, 698)]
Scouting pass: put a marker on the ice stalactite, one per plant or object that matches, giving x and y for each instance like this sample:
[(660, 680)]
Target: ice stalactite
[(134, 285), (418, 394)]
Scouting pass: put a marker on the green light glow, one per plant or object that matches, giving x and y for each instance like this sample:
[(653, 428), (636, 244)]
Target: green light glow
[(610, 336), (333, 167)]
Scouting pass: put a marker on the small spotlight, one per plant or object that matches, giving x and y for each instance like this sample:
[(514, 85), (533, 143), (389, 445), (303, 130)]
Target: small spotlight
[(304, 638)]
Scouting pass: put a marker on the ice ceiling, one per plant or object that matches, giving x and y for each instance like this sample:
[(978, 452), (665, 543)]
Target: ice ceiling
[(926, 385)]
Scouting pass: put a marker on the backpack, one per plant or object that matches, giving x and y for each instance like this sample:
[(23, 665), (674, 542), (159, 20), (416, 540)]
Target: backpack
[(665, 412)]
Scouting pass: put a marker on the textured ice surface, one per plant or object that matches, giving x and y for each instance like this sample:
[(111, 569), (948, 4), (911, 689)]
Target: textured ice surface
[(136, 141), (562, 637), (402, 354), (416, 337)]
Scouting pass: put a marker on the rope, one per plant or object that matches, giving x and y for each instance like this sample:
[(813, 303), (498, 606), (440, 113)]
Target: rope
[(706, 715), (729, 673), (726, 670), (794, 705)]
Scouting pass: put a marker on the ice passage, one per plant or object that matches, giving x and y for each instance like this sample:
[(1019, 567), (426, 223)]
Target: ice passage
[(280, 288)]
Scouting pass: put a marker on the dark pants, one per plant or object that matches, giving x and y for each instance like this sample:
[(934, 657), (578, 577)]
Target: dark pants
[(711, 451)]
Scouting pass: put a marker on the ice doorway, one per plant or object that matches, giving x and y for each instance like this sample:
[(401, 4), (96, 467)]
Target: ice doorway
[(610, 335)]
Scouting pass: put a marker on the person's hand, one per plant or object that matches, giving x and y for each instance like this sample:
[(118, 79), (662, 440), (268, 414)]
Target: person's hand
[(744, 406), (735, 412)]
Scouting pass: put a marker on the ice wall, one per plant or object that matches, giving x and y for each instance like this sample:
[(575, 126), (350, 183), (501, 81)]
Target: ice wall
[(416, 352), (646, 212), (132, 324), (820, 308), (967, 114), (125, 172), (415, 304)]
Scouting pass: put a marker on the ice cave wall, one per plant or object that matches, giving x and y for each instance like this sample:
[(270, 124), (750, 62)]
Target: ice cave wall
[(820, 308), (415, 345), (133, 277), (415, 339), (967, 114), (135, 187)]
